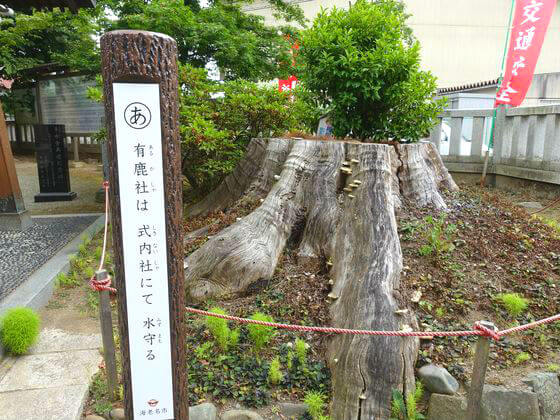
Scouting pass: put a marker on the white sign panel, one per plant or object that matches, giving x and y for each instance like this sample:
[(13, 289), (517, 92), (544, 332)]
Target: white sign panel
[(139, 151)]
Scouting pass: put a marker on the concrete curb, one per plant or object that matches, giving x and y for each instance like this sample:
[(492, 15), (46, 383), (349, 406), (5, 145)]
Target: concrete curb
[(36, 291)]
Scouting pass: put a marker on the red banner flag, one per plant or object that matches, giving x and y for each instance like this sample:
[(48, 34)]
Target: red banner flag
[(287, 84), (527, 35)]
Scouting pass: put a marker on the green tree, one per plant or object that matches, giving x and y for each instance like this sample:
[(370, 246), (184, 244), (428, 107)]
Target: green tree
[(219, 119), (56, 38), (364, 66), (239, 43)]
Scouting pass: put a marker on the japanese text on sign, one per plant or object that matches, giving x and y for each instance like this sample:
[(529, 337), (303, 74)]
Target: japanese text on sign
[(527, 35), (140, 168)]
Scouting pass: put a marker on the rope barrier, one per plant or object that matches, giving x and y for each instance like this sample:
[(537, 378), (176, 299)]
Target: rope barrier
[(103, 283), (478, 329)]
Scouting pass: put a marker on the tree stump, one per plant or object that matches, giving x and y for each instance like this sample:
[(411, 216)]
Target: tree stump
[(338, 198)]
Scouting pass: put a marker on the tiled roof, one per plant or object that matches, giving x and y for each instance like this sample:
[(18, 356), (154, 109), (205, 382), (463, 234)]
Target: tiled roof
[(469, 86)]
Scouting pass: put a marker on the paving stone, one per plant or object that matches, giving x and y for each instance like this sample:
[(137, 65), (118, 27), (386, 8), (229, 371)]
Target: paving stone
[(48, 370), (447, 407), (61, 403), (51, 340), (438, 380), (205, 411), (547, 388), (24, 252), (240, 415), (117, 414)]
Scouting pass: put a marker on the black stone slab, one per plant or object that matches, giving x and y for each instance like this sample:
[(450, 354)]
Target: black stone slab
[(52, 163)]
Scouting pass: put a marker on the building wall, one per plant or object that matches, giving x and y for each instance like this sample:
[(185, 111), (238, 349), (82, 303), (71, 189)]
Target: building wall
[(462, 40), (63, 101)]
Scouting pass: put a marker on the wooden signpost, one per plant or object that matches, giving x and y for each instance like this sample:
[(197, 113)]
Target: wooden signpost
[(141, 108)]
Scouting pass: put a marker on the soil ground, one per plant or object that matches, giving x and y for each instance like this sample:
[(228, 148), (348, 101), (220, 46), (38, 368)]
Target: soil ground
[(497, 248)]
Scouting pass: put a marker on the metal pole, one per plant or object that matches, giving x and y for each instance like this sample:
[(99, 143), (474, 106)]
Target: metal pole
[(107, 334), (474, 403)]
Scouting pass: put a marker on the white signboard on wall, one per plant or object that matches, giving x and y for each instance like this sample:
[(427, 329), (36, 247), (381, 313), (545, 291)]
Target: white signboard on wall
[(140, 168)]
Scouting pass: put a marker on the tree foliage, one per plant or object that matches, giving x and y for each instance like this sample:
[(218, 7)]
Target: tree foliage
[(53, 37), (239, 43), (218, 120), (364, 66)]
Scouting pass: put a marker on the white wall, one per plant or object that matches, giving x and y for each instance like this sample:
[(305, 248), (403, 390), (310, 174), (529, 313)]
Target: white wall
[(462, 40)]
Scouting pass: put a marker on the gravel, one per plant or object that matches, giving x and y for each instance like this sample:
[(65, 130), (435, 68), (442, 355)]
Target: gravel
[(21, 253)]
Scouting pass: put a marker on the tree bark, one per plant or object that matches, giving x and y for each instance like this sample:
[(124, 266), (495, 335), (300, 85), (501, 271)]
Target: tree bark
[(336, 201)]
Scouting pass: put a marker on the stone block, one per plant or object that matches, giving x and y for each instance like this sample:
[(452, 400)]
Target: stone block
[(292, 410), (499, 403), (241, 415), (447, 407), (61, 403), (547, 388), (204, 411), (117, 414)]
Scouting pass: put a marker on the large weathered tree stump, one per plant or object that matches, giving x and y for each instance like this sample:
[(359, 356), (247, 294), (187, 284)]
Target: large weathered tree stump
[(343, 196)]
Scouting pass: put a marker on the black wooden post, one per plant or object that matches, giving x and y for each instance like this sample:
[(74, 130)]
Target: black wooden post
[(147, 58)]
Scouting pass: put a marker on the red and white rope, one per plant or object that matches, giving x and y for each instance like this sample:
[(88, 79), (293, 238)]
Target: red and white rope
[(105, 284), (478, 329)]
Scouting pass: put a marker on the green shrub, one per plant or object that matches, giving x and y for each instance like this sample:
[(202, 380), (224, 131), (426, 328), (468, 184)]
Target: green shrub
[(92, 300), (260, 334), (82, 250), (439, 236), (363, 64), (289, 359), (301, 351), (19, 329), (65, 280), (522, 358), (553, 367), (514, 303), (274, 372), (401, 410), (219, 119), (97, 253), (315, 402), (224, 336), (202, 352)]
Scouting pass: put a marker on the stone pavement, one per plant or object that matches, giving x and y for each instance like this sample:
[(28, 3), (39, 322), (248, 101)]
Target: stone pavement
[(52, 381), (24, 252)]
